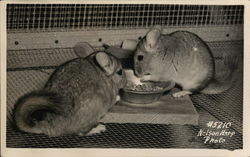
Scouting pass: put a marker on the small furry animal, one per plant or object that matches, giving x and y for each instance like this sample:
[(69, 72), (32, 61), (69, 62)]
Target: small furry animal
[(76, 96), (183, 58)]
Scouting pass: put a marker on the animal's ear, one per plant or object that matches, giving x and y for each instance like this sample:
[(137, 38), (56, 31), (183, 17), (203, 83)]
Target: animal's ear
[(153, 36), (108, 63), (83, 49)]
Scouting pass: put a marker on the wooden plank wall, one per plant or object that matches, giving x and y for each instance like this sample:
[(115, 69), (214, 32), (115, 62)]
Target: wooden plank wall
[(44, 40)]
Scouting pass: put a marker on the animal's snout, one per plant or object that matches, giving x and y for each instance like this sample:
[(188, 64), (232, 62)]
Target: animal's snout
[(138, 71)]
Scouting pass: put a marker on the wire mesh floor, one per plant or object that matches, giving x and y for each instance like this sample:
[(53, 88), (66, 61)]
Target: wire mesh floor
[(135, 135), (226, 107)]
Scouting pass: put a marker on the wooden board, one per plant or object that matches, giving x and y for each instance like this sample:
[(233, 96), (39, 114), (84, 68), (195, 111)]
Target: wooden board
[(167, 110), (45, 40)]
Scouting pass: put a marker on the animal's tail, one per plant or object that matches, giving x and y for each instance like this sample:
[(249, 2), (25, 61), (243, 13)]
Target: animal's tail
[(217, 86), (35, 112)]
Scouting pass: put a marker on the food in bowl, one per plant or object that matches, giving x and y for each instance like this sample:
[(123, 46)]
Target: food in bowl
[(146, 87), (137, 92)]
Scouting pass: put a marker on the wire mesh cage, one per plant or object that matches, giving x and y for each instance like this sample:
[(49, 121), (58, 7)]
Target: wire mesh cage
[(29, 66), (51, 17)]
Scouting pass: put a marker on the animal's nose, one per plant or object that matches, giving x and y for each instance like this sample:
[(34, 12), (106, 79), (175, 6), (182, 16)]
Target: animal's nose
[(138, 71)]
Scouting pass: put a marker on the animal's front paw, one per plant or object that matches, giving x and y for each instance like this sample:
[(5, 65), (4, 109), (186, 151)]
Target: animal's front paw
[(181, 94), (97, 130), (118, 98), (146, 78)]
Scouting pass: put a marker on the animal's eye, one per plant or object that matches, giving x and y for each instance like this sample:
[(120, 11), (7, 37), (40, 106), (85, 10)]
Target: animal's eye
[(139, 57), (119, 72)]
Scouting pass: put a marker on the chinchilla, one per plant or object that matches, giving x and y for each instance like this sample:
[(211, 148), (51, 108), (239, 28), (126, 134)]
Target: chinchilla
[(184, 58), (76, 96)]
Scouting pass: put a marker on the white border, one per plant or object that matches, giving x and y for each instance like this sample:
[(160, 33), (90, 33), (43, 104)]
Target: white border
[(9, 152)]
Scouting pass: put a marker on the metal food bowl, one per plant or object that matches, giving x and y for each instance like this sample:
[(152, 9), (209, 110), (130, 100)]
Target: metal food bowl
[(141, 95)]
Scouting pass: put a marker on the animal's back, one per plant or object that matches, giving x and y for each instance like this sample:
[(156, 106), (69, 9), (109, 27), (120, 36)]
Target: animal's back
[(82, 85), (73, 78), (192, 60), (74, 99)]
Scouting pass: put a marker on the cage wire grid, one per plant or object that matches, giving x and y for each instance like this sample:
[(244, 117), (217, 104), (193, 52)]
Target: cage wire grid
[(29, 76), (68, 17)]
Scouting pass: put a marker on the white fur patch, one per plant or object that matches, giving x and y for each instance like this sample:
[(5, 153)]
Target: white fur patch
[(97, 130), (195, 48), (118, 98), (181, 94)]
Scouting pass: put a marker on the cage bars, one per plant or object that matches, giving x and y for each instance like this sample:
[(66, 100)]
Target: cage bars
[(65, 17)]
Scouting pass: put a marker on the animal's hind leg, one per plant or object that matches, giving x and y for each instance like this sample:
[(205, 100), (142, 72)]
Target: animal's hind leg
[(181, 93), (187, 89), (97, 130)]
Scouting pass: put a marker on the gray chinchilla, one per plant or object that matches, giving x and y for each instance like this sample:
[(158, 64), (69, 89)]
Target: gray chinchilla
[(77, 95), (181, 57)]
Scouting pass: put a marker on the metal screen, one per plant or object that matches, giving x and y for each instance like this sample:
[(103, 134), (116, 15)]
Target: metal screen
[(54, 17)]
